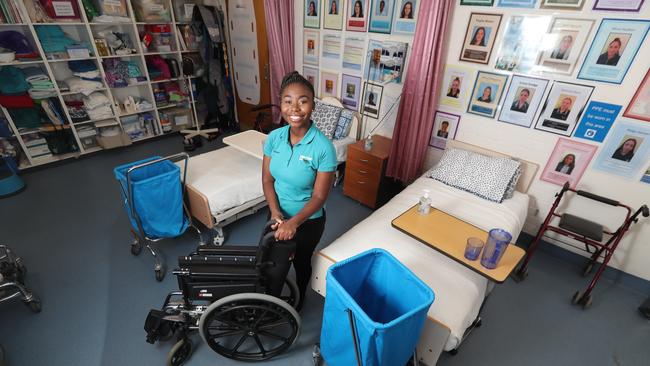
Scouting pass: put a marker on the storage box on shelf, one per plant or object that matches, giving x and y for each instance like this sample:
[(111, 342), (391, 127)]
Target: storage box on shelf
[(65, 30)]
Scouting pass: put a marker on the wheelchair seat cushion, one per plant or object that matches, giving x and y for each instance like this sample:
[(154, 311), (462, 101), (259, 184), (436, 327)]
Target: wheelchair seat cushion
[(580, 226)]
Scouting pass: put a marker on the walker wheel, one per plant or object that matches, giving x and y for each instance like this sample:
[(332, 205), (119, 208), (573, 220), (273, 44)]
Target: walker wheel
[(587, 269), (34, 305), (160, 274), (586, 302), (576, 298), (180, 353)]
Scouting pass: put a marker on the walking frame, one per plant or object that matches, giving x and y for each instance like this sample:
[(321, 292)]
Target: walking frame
[(588, 232)]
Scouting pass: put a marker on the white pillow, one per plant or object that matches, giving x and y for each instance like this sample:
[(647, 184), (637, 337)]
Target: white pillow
[(485, 176)]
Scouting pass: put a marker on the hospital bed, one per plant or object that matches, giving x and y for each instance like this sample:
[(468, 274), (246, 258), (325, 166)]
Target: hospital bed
[(460, 292), (225, 185)]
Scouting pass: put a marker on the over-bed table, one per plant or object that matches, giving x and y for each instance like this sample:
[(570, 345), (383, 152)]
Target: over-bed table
[(460, 291)]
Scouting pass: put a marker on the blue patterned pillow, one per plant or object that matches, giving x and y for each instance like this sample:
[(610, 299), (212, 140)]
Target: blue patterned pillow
[(326, 117), (344, 125), (487, 177)]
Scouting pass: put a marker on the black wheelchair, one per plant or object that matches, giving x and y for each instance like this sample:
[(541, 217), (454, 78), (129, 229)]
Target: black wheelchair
[(239, 298)]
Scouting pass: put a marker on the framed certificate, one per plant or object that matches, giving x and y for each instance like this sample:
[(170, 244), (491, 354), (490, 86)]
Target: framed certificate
[(480, 35), (563, 107), (487, 93), (522, 100)]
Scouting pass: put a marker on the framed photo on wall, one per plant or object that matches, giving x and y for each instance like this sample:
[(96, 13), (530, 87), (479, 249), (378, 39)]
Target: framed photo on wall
[(477, 2), (524, 96), (563, 107), (456, 86), (445, 126), (311, 74), (357, 18), (486, 96), (521, 43), (626, 150), (312, 14), (385, 61), (567, 162), (372, 95), (562, 4), (333, 14), (566, 37), (480, 35), (329, 84), (381, 16), (618, 5), (406, 15), (613, 49), (516, 3), (311, 48), (350, 91), (639, 106)]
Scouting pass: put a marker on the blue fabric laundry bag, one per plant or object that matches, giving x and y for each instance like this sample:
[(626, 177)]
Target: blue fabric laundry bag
[(388, 304), (157, 196)]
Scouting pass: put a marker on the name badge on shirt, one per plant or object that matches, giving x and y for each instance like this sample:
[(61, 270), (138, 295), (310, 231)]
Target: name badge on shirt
[(304, 158)]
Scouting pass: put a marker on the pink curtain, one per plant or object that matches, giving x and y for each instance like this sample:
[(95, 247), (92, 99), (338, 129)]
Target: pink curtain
[(279, 33), (420, 94)]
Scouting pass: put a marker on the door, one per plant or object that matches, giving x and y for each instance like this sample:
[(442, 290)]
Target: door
[(250, 58)]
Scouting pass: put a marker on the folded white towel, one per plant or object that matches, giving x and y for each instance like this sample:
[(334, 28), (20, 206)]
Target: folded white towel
[(85, 87), (95, 100)]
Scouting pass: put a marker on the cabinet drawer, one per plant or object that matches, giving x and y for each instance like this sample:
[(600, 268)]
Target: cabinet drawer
[(364, 159), (360, 193), (362, 181), (363, 169)]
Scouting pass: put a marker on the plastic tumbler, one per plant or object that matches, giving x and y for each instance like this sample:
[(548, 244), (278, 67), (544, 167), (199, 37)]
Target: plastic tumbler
[(496, 245), (473, 248)]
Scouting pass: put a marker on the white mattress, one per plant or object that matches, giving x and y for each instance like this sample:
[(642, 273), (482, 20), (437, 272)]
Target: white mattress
[(227, 177), (459, 292), (341, 147)]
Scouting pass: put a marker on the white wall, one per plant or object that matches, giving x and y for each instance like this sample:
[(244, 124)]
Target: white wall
[(391, 90), (633, 255)]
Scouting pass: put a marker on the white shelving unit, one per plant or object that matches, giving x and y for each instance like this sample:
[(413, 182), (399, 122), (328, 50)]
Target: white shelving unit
[(87, 31)]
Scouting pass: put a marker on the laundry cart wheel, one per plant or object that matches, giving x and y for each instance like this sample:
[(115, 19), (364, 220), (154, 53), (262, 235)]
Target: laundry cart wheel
[(180, 353), (249, 326), (34, 304), (136, 247)]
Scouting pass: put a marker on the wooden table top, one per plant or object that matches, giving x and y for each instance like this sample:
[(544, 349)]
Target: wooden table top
[(448, 235), (250, 142)]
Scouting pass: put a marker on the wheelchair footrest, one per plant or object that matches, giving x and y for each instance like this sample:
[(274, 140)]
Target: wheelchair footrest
[(580, 226)]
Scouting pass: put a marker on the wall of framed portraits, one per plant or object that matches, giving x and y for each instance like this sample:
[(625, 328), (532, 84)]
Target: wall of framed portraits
[(563, 83), (356, 51)]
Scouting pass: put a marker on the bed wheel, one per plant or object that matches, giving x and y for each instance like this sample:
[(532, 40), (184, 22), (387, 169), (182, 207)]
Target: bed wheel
[(587, 269), (180, 353), (160, 274), (520, 275)]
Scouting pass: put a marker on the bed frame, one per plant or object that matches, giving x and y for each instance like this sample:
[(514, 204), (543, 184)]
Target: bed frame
[(200, 207), (434, 333)]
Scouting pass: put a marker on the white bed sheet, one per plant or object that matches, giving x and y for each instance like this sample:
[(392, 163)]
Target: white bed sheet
[(341, 147), (459, 292), (227, 177)]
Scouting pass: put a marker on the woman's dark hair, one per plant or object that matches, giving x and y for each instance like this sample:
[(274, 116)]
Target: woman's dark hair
[(620, 148), (294, 77), (475, 34), (410, 16), (573, 163), (360, 8)]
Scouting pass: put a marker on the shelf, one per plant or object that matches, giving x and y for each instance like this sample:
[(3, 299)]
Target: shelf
[(131, 85), (78, 92), (49, 159), (165, 80), (161, 22), (179, 104), (60, 23), (15, 24), (196, 50), (72, 59), (160, 53), (94, 120), (138, 112), (110, 24), (14, 63), (93, 149), (118, 56)]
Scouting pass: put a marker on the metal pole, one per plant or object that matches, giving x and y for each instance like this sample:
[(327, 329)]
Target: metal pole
[(357, 352)]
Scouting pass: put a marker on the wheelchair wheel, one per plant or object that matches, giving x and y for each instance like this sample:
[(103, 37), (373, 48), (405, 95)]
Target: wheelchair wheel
[(180, 353), (249, 326), (290, 292)]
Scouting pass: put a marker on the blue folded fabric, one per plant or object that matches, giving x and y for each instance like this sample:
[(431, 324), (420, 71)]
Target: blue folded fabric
[(12, 81), (82, 65)]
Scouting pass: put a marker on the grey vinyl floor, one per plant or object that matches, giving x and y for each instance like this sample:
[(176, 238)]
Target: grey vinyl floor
[(71, 230)]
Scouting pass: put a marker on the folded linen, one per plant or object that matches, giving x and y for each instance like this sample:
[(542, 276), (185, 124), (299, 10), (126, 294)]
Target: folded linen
[(96, 100), (85, 87)]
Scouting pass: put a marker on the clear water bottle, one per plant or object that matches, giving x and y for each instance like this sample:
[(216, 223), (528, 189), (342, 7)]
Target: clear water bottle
[(425, 203), (368, 143)]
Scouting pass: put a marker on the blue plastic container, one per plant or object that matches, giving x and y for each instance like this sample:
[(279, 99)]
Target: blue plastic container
[(157, 196), (496, 245), (10, 182), (388, 303)]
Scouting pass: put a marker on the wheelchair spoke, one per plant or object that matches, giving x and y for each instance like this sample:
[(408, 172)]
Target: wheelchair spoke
[(239, 343), (259, 344), (257, 322), (273, 325), (272, 335), (227, 334)]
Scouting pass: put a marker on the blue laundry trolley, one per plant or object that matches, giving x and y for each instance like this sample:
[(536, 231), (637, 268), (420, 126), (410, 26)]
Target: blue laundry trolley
[(153, 190), (375, 309)]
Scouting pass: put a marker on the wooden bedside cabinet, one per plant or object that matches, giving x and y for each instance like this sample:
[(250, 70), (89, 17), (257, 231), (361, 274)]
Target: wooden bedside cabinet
[(364, 171)]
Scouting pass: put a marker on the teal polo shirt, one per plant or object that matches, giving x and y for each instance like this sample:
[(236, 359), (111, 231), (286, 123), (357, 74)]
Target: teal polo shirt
[(294, 168)]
